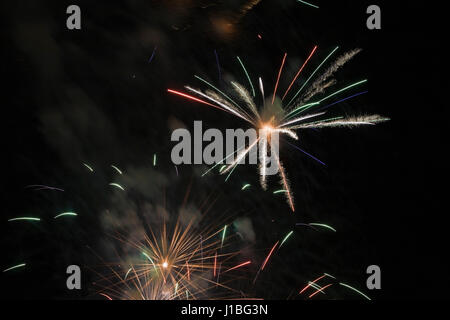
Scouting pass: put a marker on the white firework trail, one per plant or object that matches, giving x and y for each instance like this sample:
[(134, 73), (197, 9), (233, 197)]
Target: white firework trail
[(320, 84), (343, 122), (263, 159), (245, 95)]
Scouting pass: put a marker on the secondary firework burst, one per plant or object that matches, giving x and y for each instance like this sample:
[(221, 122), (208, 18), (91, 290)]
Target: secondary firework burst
[(184, 263), (277, 116)]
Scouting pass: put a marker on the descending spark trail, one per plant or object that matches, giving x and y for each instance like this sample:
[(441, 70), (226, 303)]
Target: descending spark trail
[(15, 267), (308, 4), (323, 225), (117, 186), (89, 167), (105, 295), (43, 187), (117, 169), (356, 290), (273, 119), (285, 183), (265, 262), (25, 218), (65, 214), (245, 186)]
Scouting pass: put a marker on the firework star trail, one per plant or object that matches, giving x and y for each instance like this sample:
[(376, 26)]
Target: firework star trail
[(309, 4), (218, 65), (153, 55)]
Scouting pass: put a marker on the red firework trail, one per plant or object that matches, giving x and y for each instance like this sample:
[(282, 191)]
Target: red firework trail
[(278, 78), (319, 290), (268, 256), (215, 264), (299, 71), (105, 295), (309, 284), (239, 265), (194, 98), (265, 262)]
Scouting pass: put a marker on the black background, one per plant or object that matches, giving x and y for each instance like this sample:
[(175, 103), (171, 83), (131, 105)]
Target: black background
[(381, 188)]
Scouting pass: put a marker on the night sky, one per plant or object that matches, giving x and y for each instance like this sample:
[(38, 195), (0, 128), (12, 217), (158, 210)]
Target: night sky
[(96, 96)]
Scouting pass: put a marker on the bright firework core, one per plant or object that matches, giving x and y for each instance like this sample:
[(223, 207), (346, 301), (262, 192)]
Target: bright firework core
[(165, 264), (267, 127)]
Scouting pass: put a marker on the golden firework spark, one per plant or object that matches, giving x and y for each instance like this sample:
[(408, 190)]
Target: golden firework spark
[(186, 262)]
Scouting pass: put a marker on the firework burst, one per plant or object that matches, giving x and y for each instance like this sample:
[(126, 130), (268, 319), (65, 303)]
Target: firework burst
[(185, 263), (275, 117)]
